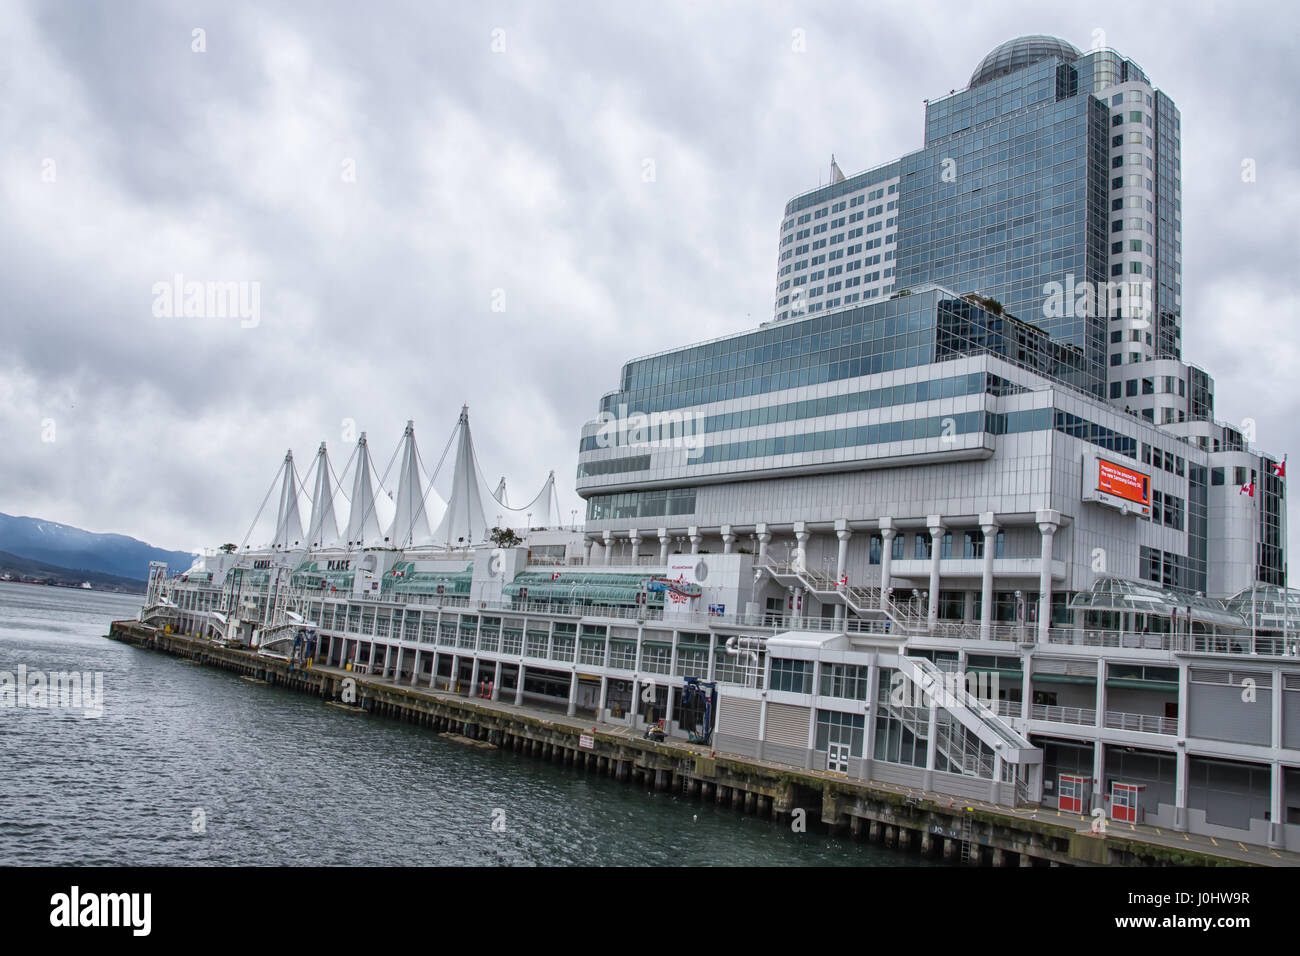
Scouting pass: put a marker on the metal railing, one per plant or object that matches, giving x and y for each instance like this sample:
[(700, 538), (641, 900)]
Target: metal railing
[(1143, 723), (1083, 716)]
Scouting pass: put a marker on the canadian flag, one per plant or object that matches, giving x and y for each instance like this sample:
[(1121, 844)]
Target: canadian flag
[(1248, 489), (844, 580), (555, 575), (1279, 469)]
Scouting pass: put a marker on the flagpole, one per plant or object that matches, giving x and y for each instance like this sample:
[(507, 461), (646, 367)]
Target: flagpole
[(1286, 594)]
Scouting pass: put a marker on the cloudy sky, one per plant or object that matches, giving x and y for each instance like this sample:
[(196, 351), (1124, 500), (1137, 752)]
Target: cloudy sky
[(388, 172)]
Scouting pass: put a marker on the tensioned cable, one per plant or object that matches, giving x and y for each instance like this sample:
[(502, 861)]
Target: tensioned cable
[(420, 464), (274, 482)]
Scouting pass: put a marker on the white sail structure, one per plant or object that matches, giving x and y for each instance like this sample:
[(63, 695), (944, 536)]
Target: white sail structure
[(323, 528), (363, 522), (288, 525), (410, 527), (500, 493), (474, 509)]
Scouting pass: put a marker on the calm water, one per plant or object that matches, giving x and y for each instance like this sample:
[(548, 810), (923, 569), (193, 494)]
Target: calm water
[(282, 778)]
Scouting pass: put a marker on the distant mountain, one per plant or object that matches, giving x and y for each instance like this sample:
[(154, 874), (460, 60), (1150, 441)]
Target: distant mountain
[(72, 548), (15, 568)]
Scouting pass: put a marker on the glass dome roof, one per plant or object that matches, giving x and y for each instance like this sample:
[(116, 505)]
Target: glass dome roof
[(1019, 53)]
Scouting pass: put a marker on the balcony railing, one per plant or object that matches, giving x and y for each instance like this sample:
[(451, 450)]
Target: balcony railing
[(1083, 716), (1143, 723)]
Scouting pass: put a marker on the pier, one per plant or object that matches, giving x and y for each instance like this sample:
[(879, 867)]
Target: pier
[(912, 821)]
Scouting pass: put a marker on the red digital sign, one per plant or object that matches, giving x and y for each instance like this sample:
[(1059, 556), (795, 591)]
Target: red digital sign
[(1123, 482)]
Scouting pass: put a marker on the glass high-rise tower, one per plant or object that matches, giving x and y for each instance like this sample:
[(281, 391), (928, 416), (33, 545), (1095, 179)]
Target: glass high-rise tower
[(1049, 184)]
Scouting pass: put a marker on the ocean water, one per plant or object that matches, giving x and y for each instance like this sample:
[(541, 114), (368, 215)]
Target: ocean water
[(193, 766)]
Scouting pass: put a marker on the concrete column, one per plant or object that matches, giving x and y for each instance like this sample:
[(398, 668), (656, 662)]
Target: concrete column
[(496, 681), (1100, 705), (433, 672), (796, 612), (519, 689), (473, 677), (1098, 773), (609, 547), (636, 699), (373, 650), (1275, 808), (931, 748), (869, 735), (764, 539), (887, 532), (634, 536), (415, 668), (696, 539), (995, 790), (1048, 522), (935, 524), (586, 551), (664, 541), (843, 533), (454, 679), (990, 529), (728, 539), (1180, 787), (801, 536), (573, 694), (604, 698)]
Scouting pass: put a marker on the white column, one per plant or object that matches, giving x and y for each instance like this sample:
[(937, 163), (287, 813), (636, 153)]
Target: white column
[(634, 536), (1098, 773), (728, 539), (764, 539), (664, 540), (801, 536), (519, 683), (887, 532), (935, 524), (696, 538), (990, 529), (1101, 693), (1275, 808), (843, 533), (573, 694), (609, 547), (496, 681), (586, 551), (1048, 522), (931, 744)]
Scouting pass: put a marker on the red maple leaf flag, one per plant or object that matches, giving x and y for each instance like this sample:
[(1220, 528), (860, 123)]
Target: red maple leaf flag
[(1279, 469), (1248, 489)]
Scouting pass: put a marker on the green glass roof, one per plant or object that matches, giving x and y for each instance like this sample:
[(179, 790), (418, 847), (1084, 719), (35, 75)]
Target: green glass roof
[(1144, 597), (582, 586)]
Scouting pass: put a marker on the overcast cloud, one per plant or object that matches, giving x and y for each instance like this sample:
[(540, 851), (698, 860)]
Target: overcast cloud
[(519, 170)]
